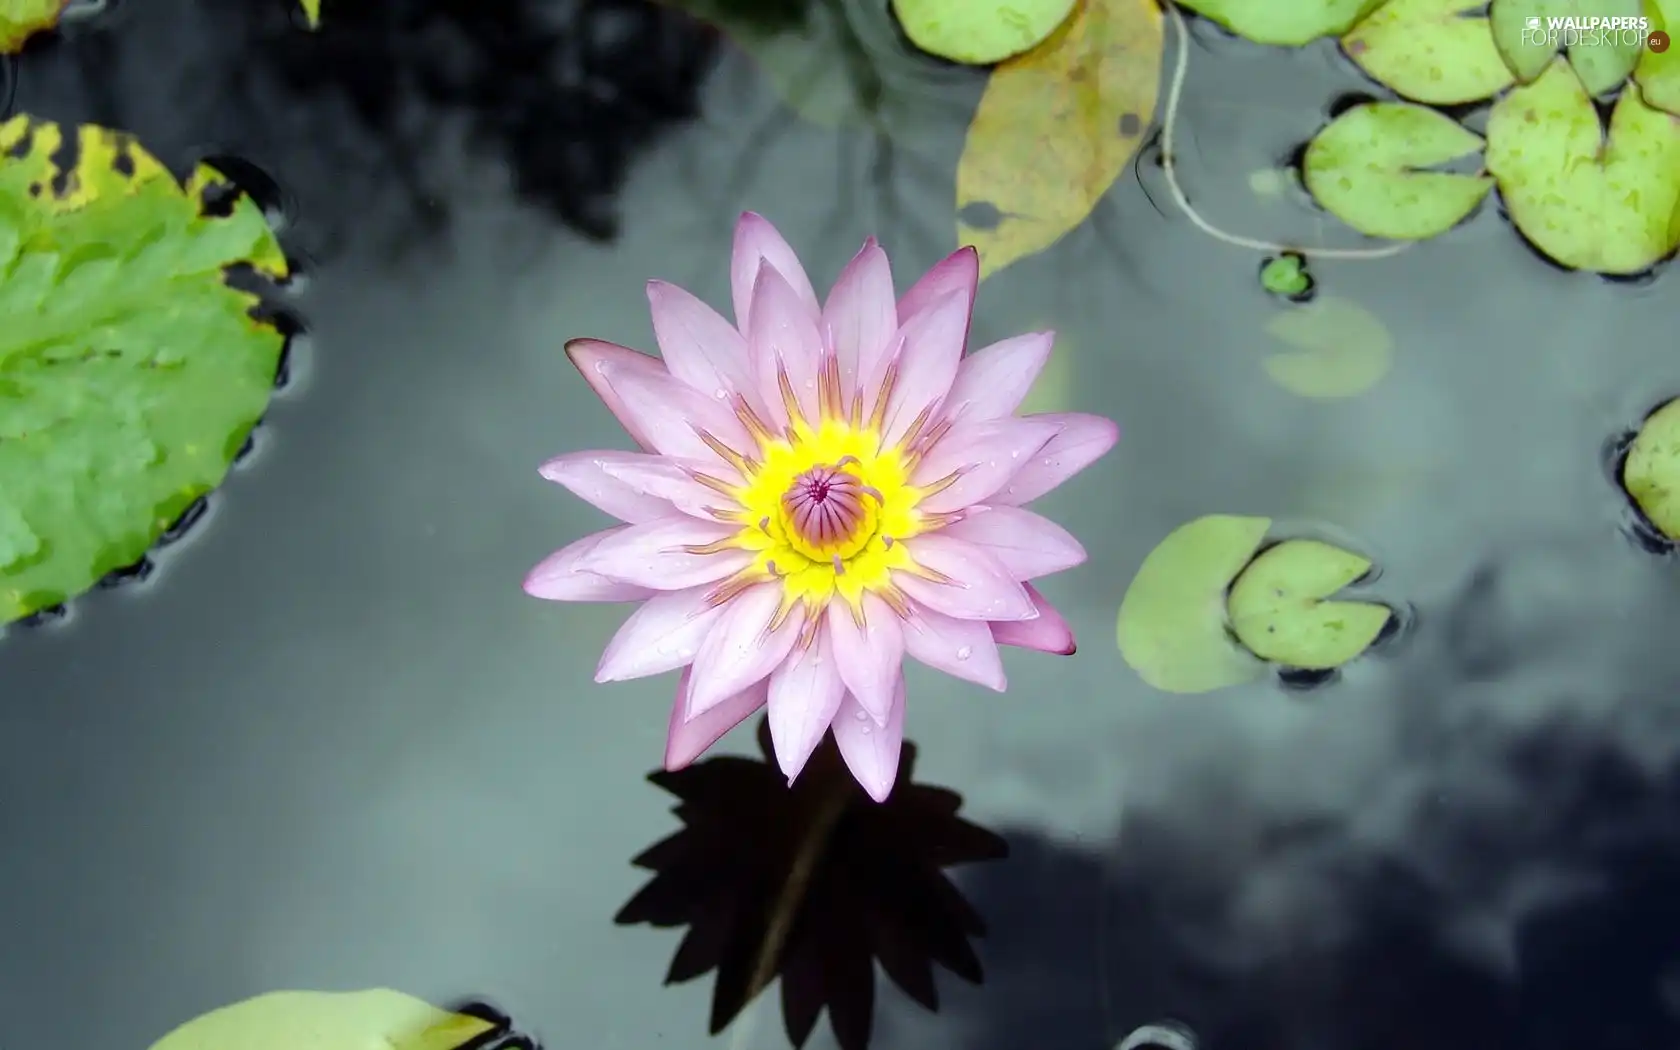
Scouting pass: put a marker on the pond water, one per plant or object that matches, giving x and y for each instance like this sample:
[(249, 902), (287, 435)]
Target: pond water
[(330, 744)]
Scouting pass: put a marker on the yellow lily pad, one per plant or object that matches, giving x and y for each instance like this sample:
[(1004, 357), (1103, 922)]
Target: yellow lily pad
[(1340, 349), (312, 11), (1286, 23), (1651, 474), (1278, 607), (1364, 168), (1658, 72), (1430, 51), (979, 32), (22, 19), (377, 1019), (1587, 202), (1172, 624), (1521, 33)]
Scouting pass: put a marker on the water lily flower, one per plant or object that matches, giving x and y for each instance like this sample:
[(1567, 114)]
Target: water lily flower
[(825, 489)]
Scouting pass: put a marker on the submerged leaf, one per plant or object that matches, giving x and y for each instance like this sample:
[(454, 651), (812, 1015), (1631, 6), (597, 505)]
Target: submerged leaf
[(1658, 72), (1429, 51), (1588, 203), (1288, 23), (22, 19), (979, 32), (327, 1021), (312, 11), (1601, 64), (1172, 626), (130, 372), (1364, 168), (1278, 606), (1054, 129), (1341, 349), (1651, 474)]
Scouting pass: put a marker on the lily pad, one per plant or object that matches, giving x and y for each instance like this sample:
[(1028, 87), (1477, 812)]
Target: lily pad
[(1278, 607), (312, 11), (1285, 23), (1430, 51), (1365, 167), (1286, 275), (1587, 202), (130, 372), (1651, 473), (22, 19), (1340, 349), (1601, 65), (327, 1021), (1172, 625), (1658, 72), (979, 32)]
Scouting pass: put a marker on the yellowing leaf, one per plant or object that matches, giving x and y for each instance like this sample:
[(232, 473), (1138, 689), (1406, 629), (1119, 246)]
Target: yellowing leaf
[(1363, 167), (1172, 626), (312, 11), (979, 32), (1600, 63), (1287, 23), (1651, 474), (1428, 51), (1588, 203), (1054, 129), (22, 19), (1658, 72), (1341, 349), (378, 1019), (1278, 610)]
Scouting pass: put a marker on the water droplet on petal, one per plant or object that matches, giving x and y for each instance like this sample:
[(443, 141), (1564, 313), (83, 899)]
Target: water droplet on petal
[(865, 729), (964, 653), (1048, 463), (1015, 454), (721, 394), (861, 717), (600, 368)]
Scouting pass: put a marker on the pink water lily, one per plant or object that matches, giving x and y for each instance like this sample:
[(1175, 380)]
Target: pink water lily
[(824, 489)]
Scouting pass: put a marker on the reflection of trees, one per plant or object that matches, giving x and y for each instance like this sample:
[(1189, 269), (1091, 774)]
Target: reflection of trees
[(813, 883)]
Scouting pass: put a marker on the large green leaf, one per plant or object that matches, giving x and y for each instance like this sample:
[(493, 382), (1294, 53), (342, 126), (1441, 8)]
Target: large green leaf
[(1287, 23), (979, 32), (130, 372), (1658, 72), (1279, 610), (1364, 168), (1601, 64), (1651, 474), (1430, 51), (377, 1019), (22, 19), (1587, 202)]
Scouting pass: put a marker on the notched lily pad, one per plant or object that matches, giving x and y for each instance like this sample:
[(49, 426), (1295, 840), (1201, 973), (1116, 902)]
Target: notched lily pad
[(1279, 607), (130, 371), (1430, 51), (328, 1021), (22, 19), (979, 32), (1286, 275), (1340, 349), (1651, 472), (1601, 65), (1172, 628), (1365, 168), (1286, 23), (1590, 203)]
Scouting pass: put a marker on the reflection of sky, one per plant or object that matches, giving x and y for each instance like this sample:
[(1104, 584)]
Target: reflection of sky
[(335, 745)]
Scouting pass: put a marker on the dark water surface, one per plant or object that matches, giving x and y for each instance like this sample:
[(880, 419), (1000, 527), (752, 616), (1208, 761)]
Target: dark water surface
[(331, 744)]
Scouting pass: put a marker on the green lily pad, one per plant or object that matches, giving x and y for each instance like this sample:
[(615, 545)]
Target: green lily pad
[(1651, 473), (130, 373), (1285, 23), (1658, 73), (1340, 349), (1364, 167), (312, 11), (1430, 51), (1529, 51), (1286, 275), (979, 32), (1591, 204), (1278, 607), (327, 1021), (22, 19), (1172, 625)]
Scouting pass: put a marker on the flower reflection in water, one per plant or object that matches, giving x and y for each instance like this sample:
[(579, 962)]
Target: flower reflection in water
[(814, 884)]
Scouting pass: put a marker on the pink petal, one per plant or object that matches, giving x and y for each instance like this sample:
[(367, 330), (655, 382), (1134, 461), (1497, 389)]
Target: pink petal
[(957, 272), (1028, 545), (986, 455), (599, 361), (671, 413), (587, 475), (871, 658), (963, 648), (742, 648), (871, 751), (1049, 633), (558, 577), (755, 241), (668, 481), (805, 691), (994, 380), (1082, 441), (980, 588), (662, 635), (688, 738), (783, 337), (698, 345), (861, 317), (926, 363), (652, 554)]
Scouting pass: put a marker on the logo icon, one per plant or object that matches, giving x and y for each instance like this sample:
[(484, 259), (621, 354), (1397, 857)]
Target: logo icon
[(1533, 23), (1657, 42)]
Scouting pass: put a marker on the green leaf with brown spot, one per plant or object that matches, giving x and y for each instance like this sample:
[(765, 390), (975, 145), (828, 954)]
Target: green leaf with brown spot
[(1280, 610), (22, 19), (130, 372), (979, 32), (1287, 23), (1430, 51), (1651, 473), (1601, 64), (377, 1018)]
